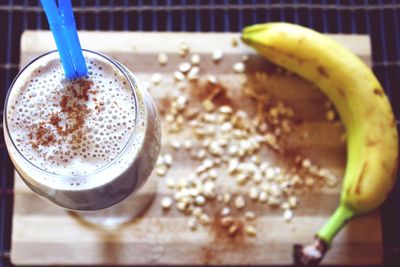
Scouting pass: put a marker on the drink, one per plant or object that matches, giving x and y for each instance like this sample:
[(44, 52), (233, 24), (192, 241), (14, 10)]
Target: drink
[(84, 144)]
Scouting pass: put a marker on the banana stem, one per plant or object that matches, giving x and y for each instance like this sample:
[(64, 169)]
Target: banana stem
[(339, 218)]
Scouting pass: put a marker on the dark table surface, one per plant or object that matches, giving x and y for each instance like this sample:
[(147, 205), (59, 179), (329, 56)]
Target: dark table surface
[(379, 19)]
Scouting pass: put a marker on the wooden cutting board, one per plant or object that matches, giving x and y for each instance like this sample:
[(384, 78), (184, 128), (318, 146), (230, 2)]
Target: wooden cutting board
[(44, 234)]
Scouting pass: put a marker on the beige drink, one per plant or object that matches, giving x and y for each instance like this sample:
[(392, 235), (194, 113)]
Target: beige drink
[(84, 144)]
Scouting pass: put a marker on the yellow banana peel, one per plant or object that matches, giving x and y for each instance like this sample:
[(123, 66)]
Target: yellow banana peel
[(372, 139)]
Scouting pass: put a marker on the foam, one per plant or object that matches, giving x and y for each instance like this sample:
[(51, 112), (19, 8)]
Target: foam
[(107, 125)]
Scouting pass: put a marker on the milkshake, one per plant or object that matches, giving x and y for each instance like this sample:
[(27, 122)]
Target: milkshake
[(84, 144)]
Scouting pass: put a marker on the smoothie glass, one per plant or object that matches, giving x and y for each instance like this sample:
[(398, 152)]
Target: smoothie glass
[(117, 191)]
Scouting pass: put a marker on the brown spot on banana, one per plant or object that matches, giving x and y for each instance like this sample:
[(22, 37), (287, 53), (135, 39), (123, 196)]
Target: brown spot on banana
[(379, 92), (341, 92), (370, 142), (322, 71), (392, 123), (360, 179), (301, 40), (348, 190), (385, 167), (287, 54)]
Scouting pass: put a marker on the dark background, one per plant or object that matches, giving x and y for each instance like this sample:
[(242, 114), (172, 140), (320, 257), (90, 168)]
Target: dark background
[(379, 19)]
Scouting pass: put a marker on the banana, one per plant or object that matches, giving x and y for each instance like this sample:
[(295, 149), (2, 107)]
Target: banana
[(372, 139)]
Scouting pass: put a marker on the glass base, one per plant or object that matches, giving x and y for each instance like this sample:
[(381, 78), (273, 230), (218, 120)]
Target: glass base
[(123, 213)]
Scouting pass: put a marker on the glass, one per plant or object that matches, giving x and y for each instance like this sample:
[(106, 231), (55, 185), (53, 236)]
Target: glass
[(119, 190)]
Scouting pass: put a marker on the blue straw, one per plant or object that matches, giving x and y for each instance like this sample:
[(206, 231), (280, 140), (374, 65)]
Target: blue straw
[(71, 36), (62, 25)]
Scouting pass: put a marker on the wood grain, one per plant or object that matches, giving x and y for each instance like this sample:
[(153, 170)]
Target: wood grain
[(47, 235)]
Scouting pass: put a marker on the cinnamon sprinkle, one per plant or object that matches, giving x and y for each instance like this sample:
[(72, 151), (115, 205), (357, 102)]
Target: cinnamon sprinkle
[(99, 106), (43, 136), (55, 119), (74, 111)]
